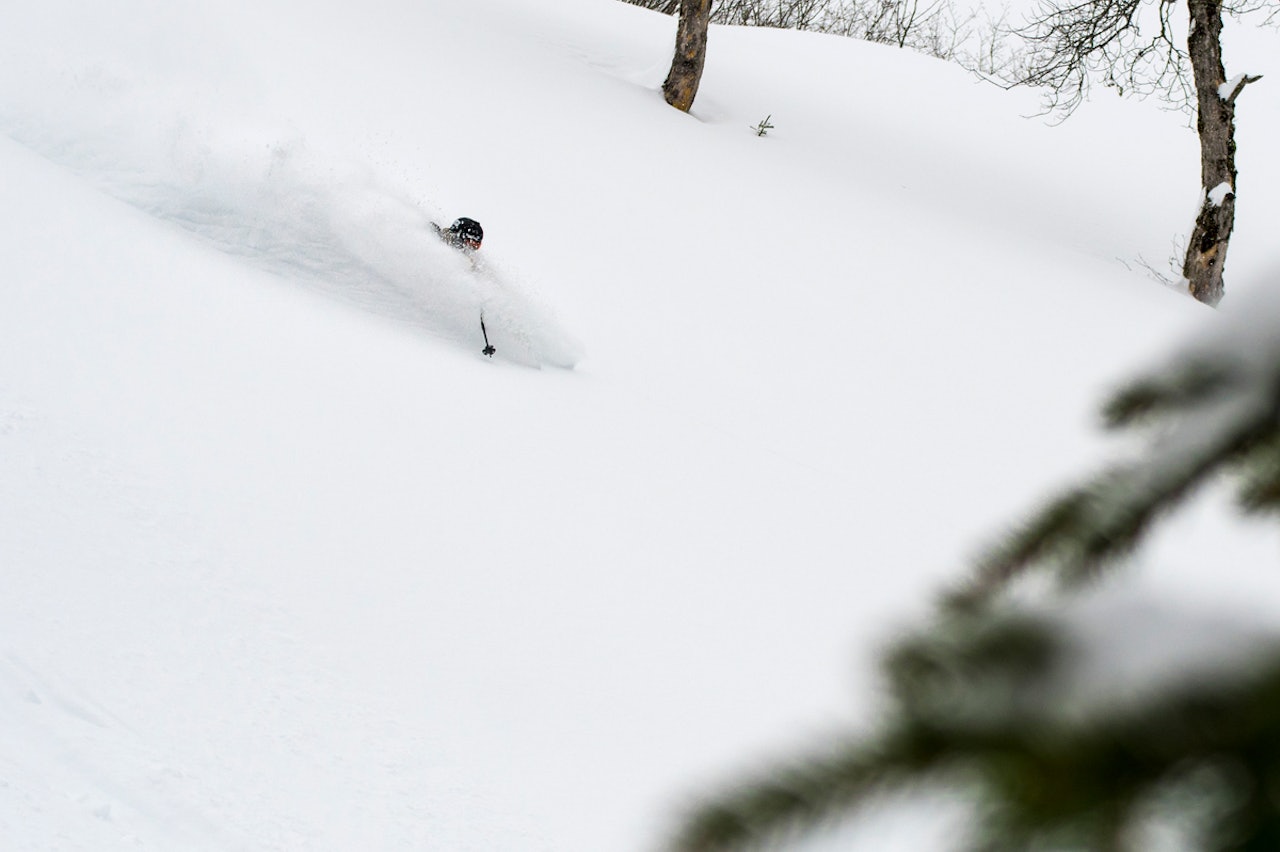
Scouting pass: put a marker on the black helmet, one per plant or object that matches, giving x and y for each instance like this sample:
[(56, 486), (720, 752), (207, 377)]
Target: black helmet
[(467, 231)]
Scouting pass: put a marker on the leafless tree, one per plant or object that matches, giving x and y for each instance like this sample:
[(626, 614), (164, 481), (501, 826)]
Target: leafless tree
[(1216, 107), (681, 85), (781, 14), (923, 25), (666, 7), (932, 27), (1130, 45), (989, 47)]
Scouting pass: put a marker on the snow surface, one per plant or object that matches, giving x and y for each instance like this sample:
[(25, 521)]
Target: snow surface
[(1219, 193), (290, 565), (1227, 89)]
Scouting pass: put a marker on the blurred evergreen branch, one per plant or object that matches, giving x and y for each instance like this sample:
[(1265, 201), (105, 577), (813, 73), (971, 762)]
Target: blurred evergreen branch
[(1206, 415), (978, 708), (987, 700)]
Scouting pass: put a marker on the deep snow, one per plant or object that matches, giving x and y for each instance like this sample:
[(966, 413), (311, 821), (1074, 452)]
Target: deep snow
[(290, 565)]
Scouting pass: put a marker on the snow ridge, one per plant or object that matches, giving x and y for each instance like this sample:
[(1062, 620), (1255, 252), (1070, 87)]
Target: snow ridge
[(270, 199)]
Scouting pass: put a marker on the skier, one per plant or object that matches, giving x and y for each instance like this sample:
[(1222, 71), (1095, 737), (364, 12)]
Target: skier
[(464, 234)]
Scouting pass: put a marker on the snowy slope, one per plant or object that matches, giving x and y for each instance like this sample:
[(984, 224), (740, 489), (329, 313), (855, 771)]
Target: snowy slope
[(289, 565)]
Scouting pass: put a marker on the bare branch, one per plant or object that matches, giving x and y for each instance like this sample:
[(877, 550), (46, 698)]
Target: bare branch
[(1070, 46), (1244, 81)]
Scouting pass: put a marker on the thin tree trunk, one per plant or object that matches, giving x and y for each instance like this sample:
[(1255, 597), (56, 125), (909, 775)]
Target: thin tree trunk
[(681, 85), (1207, 248)]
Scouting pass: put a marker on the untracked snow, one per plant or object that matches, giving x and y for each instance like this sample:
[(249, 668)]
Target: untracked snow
[(289, 564)]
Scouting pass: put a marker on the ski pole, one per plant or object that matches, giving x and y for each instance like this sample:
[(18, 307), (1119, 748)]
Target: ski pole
[(488, 349)]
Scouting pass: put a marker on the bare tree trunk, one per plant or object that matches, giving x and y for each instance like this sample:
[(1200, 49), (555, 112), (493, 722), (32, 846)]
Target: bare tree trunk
[(1207, 248), (681, 85)]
